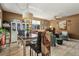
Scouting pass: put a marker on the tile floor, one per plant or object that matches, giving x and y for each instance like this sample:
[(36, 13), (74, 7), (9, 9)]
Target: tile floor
[(69, 48)]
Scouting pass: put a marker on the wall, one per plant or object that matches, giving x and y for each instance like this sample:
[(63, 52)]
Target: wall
[(9, 16), (72, 22), (0, 13), (0, 17), (73, 26)]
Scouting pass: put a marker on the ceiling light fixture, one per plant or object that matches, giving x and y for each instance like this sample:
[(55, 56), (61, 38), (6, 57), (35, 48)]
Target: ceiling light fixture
[(24, 7)]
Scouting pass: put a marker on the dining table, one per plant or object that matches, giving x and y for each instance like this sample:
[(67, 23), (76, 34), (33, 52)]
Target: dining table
[(26, 39)]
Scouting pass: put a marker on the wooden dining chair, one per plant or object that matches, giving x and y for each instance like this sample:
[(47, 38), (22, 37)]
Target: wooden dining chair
[(36, 46)]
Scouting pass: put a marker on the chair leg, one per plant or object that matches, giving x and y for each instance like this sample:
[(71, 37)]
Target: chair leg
[(30, 51), (37, 54)]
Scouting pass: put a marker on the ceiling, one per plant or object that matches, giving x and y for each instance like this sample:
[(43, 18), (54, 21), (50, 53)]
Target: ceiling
[(43, 10)]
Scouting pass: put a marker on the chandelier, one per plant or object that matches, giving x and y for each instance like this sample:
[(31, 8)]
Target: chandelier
[(24, 8)]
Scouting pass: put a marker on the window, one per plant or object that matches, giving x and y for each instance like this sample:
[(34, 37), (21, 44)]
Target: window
[(35, 24)]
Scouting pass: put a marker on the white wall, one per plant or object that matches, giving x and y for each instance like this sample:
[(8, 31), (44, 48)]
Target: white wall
[(0, 18)]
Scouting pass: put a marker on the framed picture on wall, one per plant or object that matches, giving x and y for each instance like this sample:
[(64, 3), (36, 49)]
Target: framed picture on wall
[(63, 25)]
